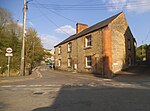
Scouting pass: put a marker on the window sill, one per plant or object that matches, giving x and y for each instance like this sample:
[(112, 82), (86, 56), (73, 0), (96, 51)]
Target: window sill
[(88, 67), (69, 51), (69, 66), (88, 47)]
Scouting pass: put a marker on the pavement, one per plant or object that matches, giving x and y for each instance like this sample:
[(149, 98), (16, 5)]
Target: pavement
[(35, 75), (136, 73)]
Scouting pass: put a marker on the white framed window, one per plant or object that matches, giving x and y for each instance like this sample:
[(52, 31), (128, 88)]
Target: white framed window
[(69, 62), (59, 62), (69, 47), (88, 61), (59, 49), (88, 41)]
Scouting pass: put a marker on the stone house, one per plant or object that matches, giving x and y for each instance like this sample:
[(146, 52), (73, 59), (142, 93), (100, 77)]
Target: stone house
[(104, 48)]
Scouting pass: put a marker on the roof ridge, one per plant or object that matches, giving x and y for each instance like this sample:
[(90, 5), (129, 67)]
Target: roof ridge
[(90, 29)]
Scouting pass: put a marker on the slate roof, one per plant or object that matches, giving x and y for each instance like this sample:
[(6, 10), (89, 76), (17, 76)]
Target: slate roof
[(93, 28)]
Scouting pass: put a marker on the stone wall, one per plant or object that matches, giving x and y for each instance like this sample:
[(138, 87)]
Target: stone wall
[(121, 35), (79, 52), (95, 51)]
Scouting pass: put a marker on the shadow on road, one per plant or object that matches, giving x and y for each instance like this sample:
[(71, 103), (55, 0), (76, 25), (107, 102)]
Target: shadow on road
[(99, 99), (142, 68), (3, 106), (136, 75)]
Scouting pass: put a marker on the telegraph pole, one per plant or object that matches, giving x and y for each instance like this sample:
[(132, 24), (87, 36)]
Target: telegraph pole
[(22, 67), (142, 51)]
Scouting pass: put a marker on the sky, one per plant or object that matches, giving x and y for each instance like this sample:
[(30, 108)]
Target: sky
[(55, 20)]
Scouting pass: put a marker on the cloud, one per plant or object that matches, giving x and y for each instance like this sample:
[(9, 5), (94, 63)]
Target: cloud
[(139, 6), (31, 24), (49, 41), (66, 29)]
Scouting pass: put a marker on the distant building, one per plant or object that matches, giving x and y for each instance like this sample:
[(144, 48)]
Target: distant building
[(104, 48), (49, 55)]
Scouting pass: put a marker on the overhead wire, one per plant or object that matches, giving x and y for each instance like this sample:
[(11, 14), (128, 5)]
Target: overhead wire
[(60, 15), (53, 22), (102, 4), (92, 6), (147, 36)]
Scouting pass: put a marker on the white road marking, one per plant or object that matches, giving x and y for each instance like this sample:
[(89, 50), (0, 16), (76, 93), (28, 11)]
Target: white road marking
[(53, 85), (6, 86), (43, 69), (21, 85), (35, 85)]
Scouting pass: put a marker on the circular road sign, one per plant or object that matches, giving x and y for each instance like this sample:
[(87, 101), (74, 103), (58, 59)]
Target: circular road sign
[(9, 50)]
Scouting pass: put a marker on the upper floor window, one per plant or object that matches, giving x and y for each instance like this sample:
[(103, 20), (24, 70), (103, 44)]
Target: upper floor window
[(88, 60), (69, 47), (88, 41), (59, 49)]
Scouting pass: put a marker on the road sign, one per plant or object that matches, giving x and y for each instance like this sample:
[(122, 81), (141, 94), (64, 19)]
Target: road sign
[(8, 54), (9, 50)]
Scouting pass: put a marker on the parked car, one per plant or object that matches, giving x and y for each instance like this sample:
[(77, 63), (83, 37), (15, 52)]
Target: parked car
[(51, 65)]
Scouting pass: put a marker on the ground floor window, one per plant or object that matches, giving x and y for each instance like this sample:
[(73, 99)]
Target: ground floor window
[(59, 62), (88, 60), (129, 61), (69, 62)]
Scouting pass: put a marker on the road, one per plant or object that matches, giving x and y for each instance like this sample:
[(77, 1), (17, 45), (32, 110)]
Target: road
[(63, 91)]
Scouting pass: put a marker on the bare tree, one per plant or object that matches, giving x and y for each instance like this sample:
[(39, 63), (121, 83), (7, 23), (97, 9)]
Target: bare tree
[(5, 18)]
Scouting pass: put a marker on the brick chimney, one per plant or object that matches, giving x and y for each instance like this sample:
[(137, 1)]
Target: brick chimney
[(80, 27)]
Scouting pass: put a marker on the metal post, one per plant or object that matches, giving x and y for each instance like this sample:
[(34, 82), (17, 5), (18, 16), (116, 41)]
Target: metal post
[(22, 67), (8, 66)]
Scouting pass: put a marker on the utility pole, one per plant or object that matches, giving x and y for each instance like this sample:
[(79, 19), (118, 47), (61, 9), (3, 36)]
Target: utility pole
[(22, 67), (142, 51)]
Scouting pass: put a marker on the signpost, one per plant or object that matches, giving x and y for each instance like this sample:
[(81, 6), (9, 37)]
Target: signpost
[(9, 54)]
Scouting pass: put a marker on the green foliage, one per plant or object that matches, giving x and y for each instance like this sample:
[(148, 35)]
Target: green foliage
[(141, 52), (10, 36), (34, 48)]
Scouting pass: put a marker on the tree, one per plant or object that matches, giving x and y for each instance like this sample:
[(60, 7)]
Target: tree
[(141, 52), (5, 18), (10, 36), (34, 49)]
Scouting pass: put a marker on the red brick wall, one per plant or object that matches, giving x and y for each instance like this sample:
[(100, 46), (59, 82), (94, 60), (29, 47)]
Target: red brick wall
[(107, 50), (80, 27)]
